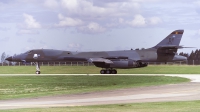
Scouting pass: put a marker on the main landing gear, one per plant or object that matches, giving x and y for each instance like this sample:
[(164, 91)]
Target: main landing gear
[(108, 71), (37, 67)]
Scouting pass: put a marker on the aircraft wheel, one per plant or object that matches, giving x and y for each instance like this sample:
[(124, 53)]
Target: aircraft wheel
[(108, 72), (102, 71), (114, 71), (37, 72)]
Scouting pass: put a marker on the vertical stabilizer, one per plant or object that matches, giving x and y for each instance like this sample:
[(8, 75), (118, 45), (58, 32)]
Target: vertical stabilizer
[(172, 39)]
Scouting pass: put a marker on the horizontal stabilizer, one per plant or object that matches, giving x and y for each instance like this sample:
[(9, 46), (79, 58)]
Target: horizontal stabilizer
[(172, 47), (97, 60)]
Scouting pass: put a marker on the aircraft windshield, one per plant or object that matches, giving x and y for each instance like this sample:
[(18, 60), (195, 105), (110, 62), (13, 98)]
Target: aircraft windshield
[(28, 52)]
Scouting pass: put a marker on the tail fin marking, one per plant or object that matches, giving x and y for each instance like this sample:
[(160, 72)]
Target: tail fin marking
[(172, 39)]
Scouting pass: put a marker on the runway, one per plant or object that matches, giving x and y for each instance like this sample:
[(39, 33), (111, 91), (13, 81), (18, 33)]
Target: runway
[(173, 92)]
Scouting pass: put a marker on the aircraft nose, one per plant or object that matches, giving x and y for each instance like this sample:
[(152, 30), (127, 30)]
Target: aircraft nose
[(9, 58)]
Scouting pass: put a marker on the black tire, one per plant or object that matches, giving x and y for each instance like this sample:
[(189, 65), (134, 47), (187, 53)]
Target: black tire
[(37, 72), (102, 71), (108, 71), (114, 71)]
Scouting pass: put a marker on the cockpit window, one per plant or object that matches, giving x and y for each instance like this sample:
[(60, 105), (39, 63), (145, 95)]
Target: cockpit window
[(29, 52)]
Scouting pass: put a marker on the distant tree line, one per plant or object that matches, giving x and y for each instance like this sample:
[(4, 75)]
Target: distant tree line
[(193, 57)]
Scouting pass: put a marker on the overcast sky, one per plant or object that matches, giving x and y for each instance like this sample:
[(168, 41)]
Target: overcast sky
[(95, 25)]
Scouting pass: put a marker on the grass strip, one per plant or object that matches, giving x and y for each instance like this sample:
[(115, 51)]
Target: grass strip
[(35, 86), (152, 69), (189, 106)]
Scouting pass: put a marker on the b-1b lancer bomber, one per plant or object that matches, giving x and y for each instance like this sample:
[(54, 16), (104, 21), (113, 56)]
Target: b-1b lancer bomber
[(109, 61)]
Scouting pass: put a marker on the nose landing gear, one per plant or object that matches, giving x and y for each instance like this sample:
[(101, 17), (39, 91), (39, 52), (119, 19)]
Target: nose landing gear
[(37, 72), (37, 67)]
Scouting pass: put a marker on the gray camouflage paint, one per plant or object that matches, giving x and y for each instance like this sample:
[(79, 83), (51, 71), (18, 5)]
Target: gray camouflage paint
[(165, 51)]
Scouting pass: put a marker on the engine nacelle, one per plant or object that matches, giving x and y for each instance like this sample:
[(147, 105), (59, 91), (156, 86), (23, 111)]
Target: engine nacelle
[(142, 64), (124, 64)]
